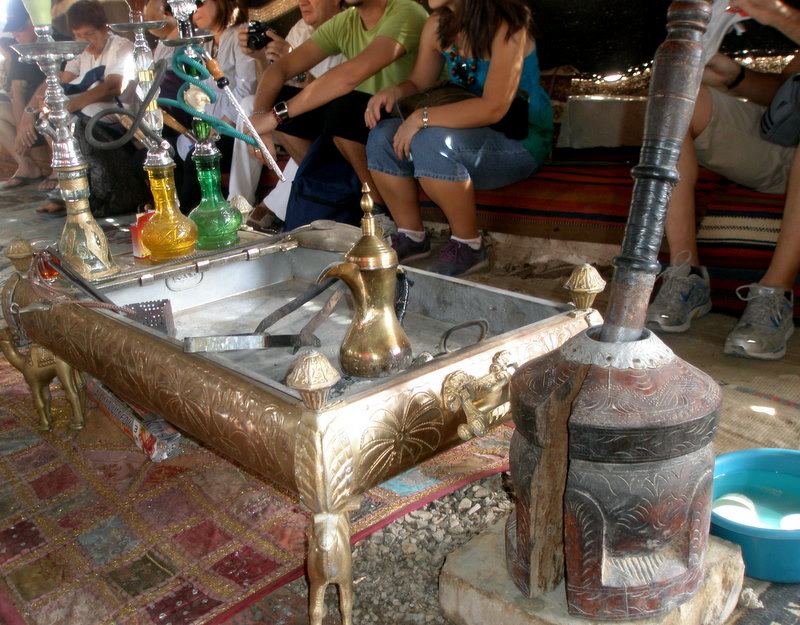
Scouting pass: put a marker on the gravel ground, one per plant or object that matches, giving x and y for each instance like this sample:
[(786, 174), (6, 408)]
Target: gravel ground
[(396, 569)]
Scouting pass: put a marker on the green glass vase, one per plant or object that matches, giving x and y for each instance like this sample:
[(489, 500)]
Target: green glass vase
[(217, 221)]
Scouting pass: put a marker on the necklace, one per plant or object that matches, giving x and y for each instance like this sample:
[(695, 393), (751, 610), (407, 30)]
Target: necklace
[(461, 71)]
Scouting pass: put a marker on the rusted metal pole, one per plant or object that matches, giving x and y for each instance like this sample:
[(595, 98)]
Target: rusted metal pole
[(677, 72)]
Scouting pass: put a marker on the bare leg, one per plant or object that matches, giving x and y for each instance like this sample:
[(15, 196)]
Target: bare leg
[(680, 226), (785, 262), (404, 202), (457, 201), (295, 146), (26, 166), (356, 154)]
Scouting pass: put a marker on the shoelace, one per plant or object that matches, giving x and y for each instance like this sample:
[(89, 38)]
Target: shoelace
[(763, 309)]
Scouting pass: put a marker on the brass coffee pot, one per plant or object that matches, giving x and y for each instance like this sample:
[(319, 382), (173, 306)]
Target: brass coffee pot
[(375, 346)]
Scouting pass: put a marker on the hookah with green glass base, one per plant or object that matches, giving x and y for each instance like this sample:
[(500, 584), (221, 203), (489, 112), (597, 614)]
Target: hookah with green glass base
[(217, 221)]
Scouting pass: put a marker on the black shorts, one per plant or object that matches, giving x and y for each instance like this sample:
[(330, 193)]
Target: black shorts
[(342, 117)]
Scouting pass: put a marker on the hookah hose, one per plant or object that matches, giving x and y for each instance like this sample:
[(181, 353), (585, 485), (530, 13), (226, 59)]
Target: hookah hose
[(181, 59), (137, 117)]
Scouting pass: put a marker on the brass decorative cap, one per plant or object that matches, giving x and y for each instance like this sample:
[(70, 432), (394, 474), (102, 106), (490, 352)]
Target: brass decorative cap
[(584, 283), (20, 253), (370, 251), (313, 376)]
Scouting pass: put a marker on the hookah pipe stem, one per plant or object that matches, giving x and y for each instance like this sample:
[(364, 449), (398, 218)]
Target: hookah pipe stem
[(223, 83)]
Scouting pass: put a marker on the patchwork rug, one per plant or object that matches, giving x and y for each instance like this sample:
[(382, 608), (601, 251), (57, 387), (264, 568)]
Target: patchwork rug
[(93, 533)]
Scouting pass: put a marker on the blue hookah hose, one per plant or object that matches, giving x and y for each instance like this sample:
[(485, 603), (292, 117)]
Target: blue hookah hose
[(180, 60)]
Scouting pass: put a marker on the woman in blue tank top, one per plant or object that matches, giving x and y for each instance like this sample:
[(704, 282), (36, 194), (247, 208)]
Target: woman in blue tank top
[(450, 150)]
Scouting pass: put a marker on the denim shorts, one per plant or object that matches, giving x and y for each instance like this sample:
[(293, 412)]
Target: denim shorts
[(485, 156)]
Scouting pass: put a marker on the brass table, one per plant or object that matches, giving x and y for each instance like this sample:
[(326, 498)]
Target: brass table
[(361, 432)]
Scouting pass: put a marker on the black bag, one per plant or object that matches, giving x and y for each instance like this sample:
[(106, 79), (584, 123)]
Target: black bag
[(325, 187), (780, 123), (514, 124)]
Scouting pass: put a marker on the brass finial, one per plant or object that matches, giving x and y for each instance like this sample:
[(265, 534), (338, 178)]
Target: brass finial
[(313, 376), (20, 253), (584, 283)]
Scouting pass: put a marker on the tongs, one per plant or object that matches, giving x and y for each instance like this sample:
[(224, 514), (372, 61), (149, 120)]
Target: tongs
[(259, 339)]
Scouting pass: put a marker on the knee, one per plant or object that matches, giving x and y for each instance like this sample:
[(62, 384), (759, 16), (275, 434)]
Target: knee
[(380, 141)]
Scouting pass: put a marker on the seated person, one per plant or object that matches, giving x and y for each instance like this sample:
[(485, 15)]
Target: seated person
[(450, 150), (17, 134), (101, 76), (724, 136), (379, 38), (221, 18), (246, 171)]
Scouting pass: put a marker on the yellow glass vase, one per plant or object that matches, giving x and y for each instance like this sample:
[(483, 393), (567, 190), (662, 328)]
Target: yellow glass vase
[(169, 234)]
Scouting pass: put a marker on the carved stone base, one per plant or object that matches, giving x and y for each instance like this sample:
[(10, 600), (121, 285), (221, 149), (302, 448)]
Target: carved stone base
[(475, 588)]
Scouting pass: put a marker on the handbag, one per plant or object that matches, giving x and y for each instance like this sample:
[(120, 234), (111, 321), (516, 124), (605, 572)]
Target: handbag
[(780, 123), (514, 124)]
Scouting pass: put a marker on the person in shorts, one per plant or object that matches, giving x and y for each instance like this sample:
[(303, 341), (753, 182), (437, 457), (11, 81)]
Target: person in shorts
[(724, 136)]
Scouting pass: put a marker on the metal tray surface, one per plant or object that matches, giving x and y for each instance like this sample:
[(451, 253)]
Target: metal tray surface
[(232, 298)]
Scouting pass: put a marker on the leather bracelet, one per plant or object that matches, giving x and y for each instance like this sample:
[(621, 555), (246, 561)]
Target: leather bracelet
[(739, 78), (425, 117)]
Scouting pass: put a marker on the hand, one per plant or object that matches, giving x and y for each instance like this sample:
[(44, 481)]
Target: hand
[(277, 48), (384, 100), (26, 135), (720, 71), (265, 124), (405, 133), (242, 36), (768, 12)]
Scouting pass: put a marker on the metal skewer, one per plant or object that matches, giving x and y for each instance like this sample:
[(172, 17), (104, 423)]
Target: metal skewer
[(222, 83)]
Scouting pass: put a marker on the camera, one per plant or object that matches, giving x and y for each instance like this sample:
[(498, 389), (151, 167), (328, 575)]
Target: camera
[(257, 36)]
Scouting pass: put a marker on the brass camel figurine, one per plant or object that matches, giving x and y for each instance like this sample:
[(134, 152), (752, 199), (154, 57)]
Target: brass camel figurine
[(39, 366)]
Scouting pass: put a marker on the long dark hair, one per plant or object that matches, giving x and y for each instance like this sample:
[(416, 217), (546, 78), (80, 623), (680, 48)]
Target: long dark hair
[(479, 21)]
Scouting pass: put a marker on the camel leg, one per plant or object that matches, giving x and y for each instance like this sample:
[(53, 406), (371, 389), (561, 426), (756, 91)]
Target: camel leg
[(40, 393), (73, 388), (346, 601)]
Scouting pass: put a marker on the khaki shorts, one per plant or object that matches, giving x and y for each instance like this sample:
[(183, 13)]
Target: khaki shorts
[(731, 145)]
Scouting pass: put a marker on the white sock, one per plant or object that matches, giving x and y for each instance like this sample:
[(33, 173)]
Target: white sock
[(418, 236), (475, 243)]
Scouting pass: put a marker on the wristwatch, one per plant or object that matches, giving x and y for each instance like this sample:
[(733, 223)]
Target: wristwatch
[(281, 112)]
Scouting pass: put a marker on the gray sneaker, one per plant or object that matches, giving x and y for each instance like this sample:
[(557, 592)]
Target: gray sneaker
[(682, 297), (766, 323)]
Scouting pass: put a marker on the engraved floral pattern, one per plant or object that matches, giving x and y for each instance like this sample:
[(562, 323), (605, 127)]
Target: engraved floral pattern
[(395, 440)]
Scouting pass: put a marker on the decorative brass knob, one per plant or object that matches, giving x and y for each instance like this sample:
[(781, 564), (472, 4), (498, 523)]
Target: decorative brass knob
[(313, 376), (584, 284)]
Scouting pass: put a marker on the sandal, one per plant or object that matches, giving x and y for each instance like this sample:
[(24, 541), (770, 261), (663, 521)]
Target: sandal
[(48, 184), (55, 208), (21, 181)]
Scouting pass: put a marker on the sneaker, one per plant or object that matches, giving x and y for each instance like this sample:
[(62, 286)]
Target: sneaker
[(682, 297), (459, 259), (720, 24), (766, 323), (407, 249)]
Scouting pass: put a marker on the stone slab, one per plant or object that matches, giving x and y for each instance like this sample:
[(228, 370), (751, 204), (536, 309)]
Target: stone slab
[(476, 589)]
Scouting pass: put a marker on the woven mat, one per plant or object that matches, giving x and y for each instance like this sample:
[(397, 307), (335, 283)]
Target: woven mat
[(93, 533)]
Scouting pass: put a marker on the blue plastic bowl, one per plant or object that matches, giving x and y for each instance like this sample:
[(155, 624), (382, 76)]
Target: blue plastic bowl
[(772, 477)]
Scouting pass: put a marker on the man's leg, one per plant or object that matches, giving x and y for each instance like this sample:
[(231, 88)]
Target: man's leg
[(768, 319), (355, 153)]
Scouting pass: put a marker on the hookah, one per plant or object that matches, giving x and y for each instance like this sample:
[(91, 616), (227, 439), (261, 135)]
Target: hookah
[(83, 243), (169, 234), (217, 221)]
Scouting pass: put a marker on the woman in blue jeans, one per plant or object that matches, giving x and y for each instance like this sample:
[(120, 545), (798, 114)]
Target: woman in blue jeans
[(488, 47)]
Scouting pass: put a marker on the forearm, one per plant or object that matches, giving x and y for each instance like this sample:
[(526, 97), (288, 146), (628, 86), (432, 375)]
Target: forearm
[(758, 87), (269, 86), (104, 92)]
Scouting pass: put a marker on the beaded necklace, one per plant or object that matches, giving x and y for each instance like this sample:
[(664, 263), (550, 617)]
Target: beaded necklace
[(461, 71)]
